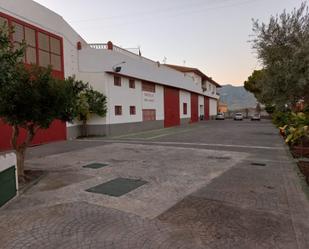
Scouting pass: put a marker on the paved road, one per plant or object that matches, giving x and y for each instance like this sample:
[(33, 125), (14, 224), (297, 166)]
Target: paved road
[(217, 184)]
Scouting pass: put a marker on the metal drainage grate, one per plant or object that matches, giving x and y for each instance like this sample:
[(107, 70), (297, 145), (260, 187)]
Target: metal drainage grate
[(117, 187), (259, 164), (95, 165)]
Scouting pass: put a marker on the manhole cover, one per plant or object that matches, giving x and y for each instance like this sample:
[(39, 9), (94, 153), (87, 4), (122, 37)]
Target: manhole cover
[(259, 164), (117, 187), (95, 165)]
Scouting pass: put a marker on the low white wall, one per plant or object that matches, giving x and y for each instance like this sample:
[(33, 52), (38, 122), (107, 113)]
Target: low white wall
[(201, 103), (7, 160), (185, 97)]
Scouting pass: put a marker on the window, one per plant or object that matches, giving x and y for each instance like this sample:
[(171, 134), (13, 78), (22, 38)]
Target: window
[(117, 80), (3, 21), (118, 110), (132, 110), (31, 44), (149, 114), (131, 83), (148, 87), (185, 108), (49, 51), (18, 35), (42, 48)]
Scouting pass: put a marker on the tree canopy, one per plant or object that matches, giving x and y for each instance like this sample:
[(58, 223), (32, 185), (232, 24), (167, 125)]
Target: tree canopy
[(282, 47)]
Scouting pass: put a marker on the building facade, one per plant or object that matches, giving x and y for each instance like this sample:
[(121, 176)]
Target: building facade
[(142, 94)]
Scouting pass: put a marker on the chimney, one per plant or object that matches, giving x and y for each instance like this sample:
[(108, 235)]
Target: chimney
[(109, 45)]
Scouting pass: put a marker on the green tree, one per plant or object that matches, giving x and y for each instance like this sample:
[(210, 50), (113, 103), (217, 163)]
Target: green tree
[(90, 102), (282, 46), (30, 98)]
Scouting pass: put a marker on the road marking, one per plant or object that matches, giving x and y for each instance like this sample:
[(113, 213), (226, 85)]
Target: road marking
[(182, 143)]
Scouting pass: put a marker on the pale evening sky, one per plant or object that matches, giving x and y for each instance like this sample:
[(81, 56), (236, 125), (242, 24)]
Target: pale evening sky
[(211, 35)]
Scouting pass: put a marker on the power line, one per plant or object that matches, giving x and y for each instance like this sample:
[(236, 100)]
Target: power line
[(172, 16), (182, 7)]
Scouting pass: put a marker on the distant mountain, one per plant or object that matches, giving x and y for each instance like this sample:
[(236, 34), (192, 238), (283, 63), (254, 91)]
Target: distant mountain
[(236, 97)]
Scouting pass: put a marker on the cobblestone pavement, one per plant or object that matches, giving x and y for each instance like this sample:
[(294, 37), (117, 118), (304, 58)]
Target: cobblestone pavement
[(201, 193)]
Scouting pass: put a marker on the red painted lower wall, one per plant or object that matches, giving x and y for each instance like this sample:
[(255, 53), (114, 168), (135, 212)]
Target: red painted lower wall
[(171, 107), (194, 108), (56, 132), (206, 106)]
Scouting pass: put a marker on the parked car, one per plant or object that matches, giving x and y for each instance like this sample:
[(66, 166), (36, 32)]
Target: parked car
[(239, 116), (220, 116), (256, 117)]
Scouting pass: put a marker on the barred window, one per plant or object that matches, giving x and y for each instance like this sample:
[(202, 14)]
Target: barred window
[(118, 110), (149, 114)]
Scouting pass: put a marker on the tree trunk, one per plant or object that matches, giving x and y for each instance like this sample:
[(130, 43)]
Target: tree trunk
[(20, 156), (84, 129), (20, 149)]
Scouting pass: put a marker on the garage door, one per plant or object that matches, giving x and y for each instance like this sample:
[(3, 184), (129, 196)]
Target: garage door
[(171, 107), (194, 107), (56, 132), (206, 106)]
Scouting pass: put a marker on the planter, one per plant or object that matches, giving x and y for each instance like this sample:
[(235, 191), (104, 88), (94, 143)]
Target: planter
[(300, 151), (304, 169), (8, 178)]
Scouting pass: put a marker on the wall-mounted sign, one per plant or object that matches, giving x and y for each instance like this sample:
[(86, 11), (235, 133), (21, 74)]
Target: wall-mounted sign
[(148, 97)]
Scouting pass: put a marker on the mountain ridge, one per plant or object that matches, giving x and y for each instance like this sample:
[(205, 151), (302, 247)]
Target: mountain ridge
[(236, 97)]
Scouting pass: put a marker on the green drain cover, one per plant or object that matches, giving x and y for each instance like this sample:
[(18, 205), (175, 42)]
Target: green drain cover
[(95, 165), (117, 187)]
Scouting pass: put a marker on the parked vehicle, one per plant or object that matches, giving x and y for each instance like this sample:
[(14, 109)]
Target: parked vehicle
[(239, 116), (256, 117), (220, 116)]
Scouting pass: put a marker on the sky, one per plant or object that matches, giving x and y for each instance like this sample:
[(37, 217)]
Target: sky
[(212, 35)]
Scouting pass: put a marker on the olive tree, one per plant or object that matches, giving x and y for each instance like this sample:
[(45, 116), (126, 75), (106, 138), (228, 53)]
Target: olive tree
[(282, 46)]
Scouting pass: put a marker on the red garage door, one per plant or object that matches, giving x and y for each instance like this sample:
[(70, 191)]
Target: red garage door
[(171, 107), (56, 132), (194, 108), (206, 106)]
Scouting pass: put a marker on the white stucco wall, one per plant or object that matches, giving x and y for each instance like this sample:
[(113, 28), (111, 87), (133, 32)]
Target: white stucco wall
[(185, 97), (154, 101), (7, 160), (213, 107), (201, 108), (137, 67), (126, 97)]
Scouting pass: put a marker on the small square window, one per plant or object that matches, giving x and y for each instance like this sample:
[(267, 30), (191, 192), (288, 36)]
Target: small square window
[(132, 110), (55, 46), (44, 58), (43, 41), (185, 108), (118, 110), (117, 80), (31, 55), (18, 34), (3, 22), (56, 62), (30, 36), (131, 83)]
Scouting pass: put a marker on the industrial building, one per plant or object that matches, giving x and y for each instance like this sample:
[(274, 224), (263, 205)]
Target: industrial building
[(142, 94)]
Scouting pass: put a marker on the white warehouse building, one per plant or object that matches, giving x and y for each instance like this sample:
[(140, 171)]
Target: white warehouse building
[(142, 94)]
